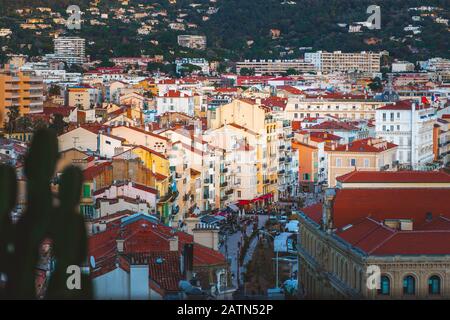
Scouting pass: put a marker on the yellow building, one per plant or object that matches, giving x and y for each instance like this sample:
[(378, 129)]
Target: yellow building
[(148, 85), (79, 97), (158, 164), (368, 154), (20, 89), (253, 117)]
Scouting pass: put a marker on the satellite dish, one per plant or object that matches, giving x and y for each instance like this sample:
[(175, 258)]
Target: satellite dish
[(92, 261)]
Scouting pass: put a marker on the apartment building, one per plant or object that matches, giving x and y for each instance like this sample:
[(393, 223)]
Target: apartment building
[(338, 61), (275, 67), (175, 101), (192, 41), (271, 136), (71, 50), (366, 154), (323, 104), (409, 125), (441, 141), (22, 90)]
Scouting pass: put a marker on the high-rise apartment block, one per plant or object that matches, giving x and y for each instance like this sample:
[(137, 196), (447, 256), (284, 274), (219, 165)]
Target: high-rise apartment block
[(339, 61), (22, 90), (275, 67), (70, 49)]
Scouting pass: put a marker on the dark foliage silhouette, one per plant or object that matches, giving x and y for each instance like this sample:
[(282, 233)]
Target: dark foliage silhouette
[(41, 220)]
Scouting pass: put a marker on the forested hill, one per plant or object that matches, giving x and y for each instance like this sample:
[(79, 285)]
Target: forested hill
[(237, 29)]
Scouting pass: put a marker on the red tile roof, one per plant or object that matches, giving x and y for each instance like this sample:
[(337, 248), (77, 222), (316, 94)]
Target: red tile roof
[(365, 145), (335, 125), (380, 204), (91, 172), (403, 105), (395, 177), (145, 239)]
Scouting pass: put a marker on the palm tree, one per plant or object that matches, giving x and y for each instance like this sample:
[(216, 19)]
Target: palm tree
[(12, 114)]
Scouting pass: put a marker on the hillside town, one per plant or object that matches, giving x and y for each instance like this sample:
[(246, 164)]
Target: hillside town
[(277, 179)]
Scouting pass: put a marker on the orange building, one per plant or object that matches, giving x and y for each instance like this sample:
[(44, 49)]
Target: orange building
[(20, 89), (307, 164)]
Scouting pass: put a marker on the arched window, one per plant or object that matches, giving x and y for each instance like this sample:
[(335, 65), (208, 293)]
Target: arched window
[(385, 286), (409, 285), (434, 285)]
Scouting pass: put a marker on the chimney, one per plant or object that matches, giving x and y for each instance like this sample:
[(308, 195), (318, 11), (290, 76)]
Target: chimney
[(191, 222), (139, 278), (120, 246), (173, 243), (327, 209), (188, 260)]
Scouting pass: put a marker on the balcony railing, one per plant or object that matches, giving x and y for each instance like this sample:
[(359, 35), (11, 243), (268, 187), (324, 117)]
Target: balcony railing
[(224, 184)]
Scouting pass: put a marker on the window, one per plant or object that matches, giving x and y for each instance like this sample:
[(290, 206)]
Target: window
[(338, 162), (352, 162), (434, 285), (398, 115), (366, 163), (392, 128), (86, 191), (239, 194), (306, 176), (384, 128), (296, 106), (296, 115), (409, 285), (384, 116), (392, 116), (107, 142), (398, 127), (385, 286)]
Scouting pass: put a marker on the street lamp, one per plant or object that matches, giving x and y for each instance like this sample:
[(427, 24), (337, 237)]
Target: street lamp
[(268, 234)]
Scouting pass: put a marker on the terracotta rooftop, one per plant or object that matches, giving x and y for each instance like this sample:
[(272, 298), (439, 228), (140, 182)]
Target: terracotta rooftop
[(395, 177)]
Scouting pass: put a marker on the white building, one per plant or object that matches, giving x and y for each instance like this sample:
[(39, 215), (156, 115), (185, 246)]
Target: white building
[(192, 41), (338, 61), (175, 101), (198, 62), (70, 49), (402, 66), (409, 125)]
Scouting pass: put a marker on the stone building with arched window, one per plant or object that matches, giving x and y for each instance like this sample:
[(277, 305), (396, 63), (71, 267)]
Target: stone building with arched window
[(378, 235)]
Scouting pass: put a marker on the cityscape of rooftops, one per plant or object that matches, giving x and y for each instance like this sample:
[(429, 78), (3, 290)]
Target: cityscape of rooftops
[(223, 150)]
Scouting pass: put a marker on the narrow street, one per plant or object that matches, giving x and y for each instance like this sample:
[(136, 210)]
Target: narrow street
[(230, 249)]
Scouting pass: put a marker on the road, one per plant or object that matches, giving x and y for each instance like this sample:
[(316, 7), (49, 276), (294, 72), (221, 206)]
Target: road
[(230, 249)]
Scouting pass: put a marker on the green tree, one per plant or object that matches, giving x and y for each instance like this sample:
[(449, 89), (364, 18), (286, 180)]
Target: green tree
[(58, 124), (13, 114), (247, 72)]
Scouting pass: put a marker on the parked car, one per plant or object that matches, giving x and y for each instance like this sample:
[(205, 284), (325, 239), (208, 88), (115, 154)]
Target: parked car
[(282, 219)]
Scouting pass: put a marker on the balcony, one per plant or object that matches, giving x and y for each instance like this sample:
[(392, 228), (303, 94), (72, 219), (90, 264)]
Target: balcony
[(229, 191), (205, 196), (207, 181), (224, 184), (281, 171), (281, 147), (223, 170), (186, 197), (281, 159)]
